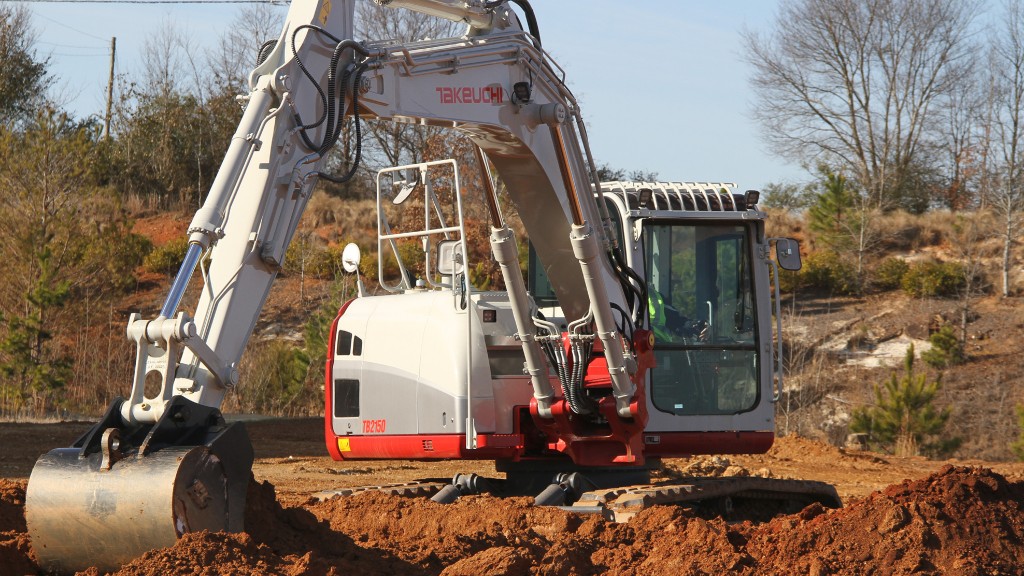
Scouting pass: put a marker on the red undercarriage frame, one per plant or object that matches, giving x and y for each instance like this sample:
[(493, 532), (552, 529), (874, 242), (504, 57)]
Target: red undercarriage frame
[(618, 442)]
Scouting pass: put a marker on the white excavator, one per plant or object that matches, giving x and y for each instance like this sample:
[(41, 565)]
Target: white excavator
[(645, 330)]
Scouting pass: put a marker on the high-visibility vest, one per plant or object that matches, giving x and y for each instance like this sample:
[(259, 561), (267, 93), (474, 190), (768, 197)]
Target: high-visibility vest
[(656, 309)]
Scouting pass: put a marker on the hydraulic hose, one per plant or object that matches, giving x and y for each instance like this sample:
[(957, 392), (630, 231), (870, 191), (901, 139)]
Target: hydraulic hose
[(320, 91), (265, 49), (334, 131), (556, 355), (637, 287), (327, 100), (359, 133), (531, 18)]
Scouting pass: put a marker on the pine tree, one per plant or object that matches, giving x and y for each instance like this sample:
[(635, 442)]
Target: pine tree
[(841, 223), (832, 217), (946, 349), (44, 185), (904, 419), (35, 370)]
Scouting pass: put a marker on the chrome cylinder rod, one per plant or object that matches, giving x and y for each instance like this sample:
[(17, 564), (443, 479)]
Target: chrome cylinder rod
[(188, 267)]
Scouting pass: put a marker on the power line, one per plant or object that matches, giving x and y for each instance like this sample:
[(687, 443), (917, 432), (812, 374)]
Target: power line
[(275, 2), (72, 28), (80, 55), (56, 45)]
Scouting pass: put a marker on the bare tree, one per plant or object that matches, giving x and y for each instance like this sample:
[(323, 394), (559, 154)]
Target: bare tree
[(175, 119), (969, 234), (396, 143), (1006, 190), (165, 67), (239, 46), (852, 82), (962, 145)]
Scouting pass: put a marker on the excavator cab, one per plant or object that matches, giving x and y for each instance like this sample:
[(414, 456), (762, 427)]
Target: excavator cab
[(702, 252), (700, 275)]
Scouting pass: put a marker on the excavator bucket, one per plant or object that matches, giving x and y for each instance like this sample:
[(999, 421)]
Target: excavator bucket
[(120, 491)]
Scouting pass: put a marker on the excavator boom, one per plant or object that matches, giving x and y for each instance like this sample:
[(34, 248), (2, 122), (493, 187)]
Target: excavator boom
[(163, 462)]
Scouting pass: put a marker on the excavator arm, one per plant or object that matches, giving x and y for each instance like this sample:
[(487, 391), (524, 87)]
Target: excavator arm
[(497, 86), (163, 461)]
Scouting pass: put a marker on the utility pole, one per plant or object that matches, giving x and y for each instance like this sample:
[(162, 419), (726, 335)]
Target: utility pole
[(110, 88)]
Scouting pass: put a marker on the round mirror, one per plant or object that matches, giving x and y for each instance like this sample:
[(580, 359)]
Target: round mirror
[(350, 258)]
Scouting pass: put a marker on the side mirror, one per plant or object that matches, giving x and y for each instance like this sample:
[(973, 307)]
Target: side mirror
[(350, 257), (787, 253), (405, 187), (449, 257)]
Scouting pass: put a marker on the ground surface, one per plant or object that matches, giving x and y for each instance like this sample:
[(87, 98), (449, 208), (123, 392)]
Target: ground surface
[(902, 516)]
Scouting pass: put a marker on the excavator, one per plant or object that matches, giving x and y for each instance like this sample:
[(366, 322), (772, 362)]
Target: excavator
[(644, 329)]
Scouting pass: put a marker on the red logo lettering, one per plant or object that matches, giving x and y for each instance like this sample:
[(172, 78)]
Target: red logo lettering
[(374, 426), (470, 95)]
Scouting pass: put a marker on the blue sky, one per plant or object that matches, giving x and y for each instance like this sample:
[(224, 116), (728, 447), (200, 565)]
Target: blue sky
[(662, 83)]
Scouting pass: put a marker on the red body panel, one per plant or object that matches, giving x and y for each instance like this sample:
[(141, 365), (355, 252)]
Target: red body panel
[(424, 447), (509, 446)]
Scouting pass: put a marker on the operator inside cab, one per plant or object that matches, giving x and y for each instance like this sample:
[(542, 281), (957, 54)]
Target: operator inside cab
[(669, 324)]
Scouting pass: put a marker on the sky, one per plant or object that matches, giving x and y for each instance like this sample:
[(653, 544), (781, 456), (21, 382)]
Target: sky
[(662, 83)]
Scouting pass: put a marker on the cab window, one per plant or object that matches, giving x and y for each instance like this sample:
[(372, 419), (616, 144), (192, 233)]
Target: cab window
[(700, 305)]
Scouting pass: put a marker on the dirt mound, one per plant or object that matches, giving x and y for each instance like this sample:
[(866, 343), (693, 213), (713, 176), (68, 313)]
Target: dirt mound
[(486, 535), (287, 541), (12, 505), (211, 554), (793, 447), (957, 521), (15, 553)]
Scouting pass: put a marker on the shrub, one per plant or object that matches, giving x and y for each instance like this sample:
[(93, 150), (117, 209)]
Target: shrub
[(166, 259), (827, 272), (889, 273), (115, 255), (327, 263), (412, 257), (275, 373), (933, 279), (946, 349), (301, 256)]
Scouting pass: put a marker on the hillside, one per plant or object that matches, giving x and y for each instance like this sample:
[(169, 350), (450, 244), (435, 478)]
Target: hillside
[(840, 347)]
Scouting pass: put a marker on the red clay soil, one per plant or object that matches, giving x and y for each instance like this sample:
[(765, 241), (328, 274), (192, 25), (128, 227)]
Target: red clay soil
[(15, 553), (956, 521)]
